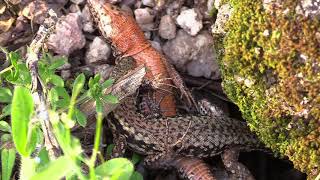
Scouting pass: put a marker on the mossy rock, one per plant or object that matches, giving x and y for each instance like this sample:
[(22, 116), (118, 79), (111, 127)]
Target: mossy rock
[(271, 70)]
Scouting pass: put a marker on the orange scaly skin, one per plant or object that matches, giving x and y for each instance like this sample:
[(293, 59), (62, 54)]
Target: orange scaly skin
[(122, 30)]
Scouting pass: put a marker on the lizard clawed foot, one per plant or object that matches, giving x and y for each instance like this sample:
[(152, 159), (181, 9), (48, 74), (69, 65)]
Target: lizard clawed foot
[(120, 146), (238, 170)]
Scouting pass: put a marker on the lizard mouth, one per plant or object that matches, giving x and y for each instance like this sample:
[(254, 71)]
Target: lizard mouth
[(100, 13)]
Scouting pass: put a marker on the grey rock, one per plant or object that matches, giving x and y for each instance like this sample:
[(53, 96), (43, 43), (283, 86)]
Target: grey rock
[(98, 51), (167, 27), (224, 13), (149, 3), (309, 8), (147, 34), (65, 74), (193, 54), (104, 70), (179, 49), (87, 21), (156, 45), (217, 3), (35, 11), (144, 17), (5, 38), (127, 9), (58, 2), (68, 35), (78, 2), (114, 1), (190, 20), (74, 8)]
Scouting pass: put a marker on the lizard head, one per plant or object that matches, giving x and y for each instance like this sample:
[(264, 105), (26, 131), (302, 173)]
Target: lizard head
[(110, 19)]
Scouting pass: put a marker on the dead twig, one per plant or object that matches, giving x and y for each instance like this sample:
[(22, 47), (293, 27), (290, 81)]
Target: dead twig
[(37, 87)]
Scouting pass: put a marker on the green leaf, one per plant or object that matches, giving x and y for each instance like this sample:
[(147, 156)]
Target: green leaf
[(44, 159), (57, 63), (22, 109), (56, 80), (65, 98), (4, 126), (56, 169), (80, 117), (110, 99), (109, 150), (94, 81), (5, 95), (78, 85), (6, 111), (5, 138), (107, 83), (62, 92), (135, 158), (34, 138), (14, 57), (53, 98), (136, 176), (8, 156), (27, 167), (118, 168)]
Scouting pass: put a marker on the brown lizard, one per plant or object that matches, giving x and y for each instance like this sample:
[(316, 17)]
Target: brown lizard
[(163, 140), (180, 141), (126, 36)]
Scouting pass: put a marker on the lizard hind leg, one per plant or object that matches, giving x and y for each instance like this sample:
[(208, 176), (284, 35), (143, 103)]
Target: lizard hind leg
[(237, 169), (190, 168)]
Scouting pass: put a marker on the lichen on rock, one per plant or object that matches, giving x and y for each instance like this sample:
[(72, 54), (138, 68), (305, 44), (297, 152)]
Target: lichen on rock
[(271, 70)]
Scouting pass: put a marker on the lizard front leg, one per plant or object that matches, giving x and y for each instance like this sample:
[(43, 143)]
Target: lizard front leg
[(178, 82), (238, 170)]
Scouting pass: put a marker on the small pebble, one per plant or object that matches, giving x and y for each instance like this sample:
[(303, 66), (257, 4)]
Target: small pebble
[(190, 21), (98, 51), (224, 13), (68, 35), (88, 25), (35, 10), (167, 27), (144, 15), (149, 3), (104, 70), (78, 2)]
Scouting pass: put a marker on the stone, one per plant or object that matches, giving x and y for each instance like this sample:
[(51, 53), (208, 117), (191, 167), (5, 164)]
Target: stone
[(35, 11), (149, 3), (78, 2), (193, 54), (104, 70), (68, 35), (224, 13), (144, 17), (190, 20), (74, 8), (87, 21), (156, 45), (98, 51), (167, 27)]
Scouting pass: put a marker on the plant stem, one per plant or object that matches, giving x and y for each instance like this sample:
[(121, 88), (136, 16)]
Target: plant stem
[(96, 145)]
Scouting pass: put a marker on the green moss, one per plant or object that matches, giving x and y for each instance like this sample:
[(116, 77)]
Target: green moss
[(271, 70)]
